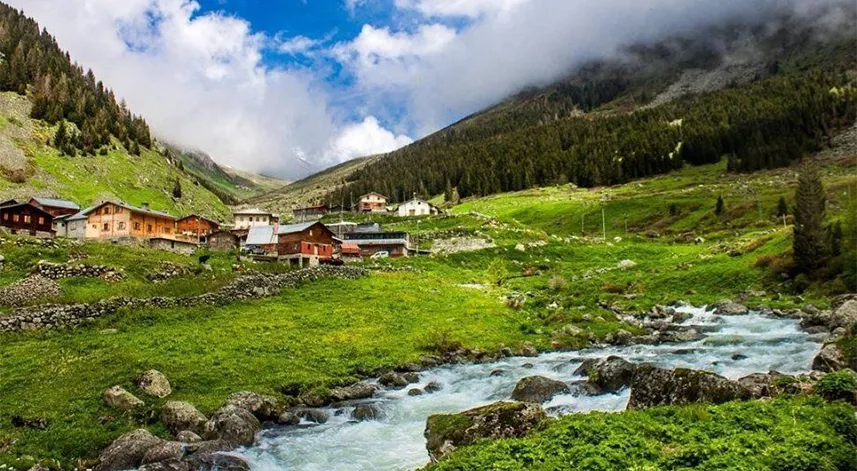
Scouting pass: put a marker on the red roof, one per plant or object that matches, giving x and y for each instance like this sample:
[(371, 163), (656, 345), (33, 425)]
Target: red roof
[(350, 249)]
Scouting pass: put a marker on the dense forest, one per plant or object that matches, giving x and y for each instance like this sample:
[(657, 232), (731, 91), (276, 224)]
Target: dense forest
[(592, 129), (32, 64)]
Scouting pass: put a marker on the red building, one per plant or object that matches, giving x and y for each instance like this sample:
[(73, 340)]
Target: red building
[(55, 207), (196, 228), (305, 244), (24, 218)]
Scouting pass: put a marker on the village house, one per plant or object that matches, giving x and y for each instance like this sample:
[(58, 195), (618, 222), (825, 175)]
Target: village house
[(310, 213), (56, 207), (262, 240), (247, 218), (195, 228), (120, 221), (75, 225), (417, 207), (182, 247), (223, 241), (24, 218), (396, 244), (341, 228), (306, 244), (371, 203)]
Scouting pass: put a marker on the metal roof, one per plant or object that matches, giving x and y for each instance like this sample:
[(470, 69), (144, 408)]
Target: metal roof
[(135, 209), (379, 242), (56, 203), (81, 215), (252, 211), (261, 235), (292, 228)]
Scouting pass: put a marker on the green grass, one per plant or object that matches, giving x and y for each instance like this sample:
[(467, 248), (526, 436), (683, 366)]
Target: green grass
[(319, 334), (778, 435)]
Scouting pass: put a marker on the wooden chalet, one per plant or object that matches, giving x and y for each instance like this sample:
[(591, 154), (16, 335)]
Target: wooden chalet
[(397, 244), (305, 244), (56, 207), (120, 220), (196, 228), (371, 203), (24, 218)]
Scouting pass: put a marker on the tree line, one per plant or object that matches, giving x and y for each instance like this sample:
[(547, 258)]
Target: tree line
[(32, 64)]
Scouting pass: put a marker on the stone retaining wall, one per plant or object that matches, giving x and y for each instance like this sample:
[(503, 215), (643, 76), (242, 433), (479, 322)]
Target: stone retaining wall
[(56, 271), (52, 316)]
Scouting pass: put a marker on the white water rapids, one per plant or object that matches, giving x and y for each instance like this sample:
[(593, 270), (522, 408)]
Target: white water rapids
[(396, 441)]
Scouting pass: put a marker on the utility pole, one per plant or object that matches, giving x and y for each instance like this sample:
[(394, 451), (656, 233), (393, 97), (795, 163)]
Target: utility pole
[(604, 223)]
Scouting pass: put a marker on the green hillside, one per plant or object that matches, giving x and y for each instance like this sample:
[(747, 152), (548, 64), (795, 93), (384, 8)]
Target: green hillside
[(30, 167)]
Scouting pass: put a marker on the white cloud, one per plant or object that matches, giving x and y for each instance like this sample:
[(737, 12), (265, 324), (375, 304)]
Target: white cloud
[(366, 138), (297, 45), (377, 45), (460, 8), (200, 80)]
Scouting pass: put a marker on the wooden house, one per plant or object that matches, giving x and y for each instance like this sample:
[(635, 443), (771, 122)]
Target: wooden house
[(196, 228), (310, 213), (305, 244), (371, 203), (24, 218), (120, 220), (396, 244), (56, 207)]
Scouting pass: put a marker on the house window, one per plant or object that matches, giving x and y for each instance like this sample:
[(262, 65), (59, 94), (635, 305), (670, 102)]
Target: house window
[(107, 210), (137, 226), (149, 227), (5, 216), (41, 220), (121, 226), (106, 226), (27, 219)]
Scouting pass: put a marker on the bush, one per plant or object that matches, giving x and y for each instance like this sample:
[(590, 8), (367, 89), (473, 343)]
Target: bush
[(765, 261), (838, 386), (440, 342), (556, 283)]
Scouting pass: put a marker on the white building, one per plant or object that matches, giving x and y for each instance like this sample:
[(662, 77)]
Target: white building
[(74, 226), (417, 207), (247, 218)]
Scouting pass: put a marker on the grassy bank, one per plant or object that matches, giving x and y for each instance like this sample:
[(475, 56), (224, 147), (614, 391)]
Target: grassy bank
[(782, 434)]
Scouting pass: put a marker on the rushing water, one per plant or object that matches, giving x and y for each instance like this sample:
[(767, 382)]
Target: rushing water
[(396, 442)]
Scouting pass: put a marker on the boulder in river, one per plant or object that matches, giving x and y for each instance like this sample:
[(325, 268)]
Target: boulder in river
[(366, 412), (765, 384), (654, 386), (179, 416), (118, 398), (127, 451), (233, 424), (265, 408), (186, 436), (164, 451), (394, 380), (829, 359), (154, 383), (538, 389), (445, 432), (318, 416), (200, 462), (727, 307), (353, 392), (609, 374)]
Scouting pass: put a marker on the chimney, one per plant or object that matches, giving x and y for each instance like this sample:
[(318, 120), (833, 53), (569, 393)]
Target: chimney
[(146, 206)]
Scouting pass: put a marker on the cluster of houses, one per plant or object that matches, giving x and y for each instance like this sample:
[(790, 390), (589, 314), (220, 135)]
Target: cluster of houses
[(255, 231)]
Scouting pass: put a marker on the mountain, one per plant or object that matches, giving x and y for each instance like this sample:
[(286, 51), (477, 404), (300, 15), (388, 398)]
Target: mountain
[(63, 134), (760, 95), (230, 185), (311, 190)]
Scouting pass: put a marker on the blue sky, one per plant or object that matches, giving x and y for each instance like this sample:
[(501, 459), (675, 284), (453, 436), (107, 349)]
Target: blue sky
[(289, 87)]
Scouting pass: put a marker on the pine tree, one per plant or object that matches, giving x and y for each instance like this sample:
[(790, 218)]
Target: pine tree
[(835, 238), (810, 241), (718, 208), (61, 136), (177, 190), (447, 192), (782, 207)]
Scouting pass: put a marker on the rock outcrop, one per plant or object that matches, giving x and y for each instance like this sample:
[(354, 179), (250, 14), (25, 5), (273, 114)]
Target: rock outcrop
[(127, 451), (264, 408), (232, 424), (727, 307), (654, 386), (445, 432), (118, 398), (538, 389), (609, 375), (353, 392), (831, 358)]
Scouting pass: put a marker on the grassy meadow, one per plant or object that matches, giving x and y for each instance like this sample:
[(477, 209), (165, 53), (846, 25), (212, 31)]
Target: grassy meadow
[(333, 332)]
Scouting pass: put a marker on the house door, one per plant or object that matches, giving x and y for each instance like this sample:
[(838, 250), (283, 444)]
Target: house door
[(412, 212)]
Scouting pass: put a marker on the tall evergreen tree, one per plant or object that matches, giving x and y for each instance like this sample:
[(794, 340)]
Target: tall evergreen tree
[(718, 208), (810, 241), (782, 207), (177, 190)]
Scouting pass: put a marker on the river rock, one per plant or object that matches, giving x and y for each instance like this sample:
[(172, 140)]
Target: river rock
[(316, 398), (415, 392), (727, 307), (154, 383), (445, 432), (609, 375), (265, 408), (366, 412), (761, 384), (353, 392), (433, 387), (831, 358), (233, 424), (118, 398), (538, 389), (200, 462), (164, 451), (179, 416), (186, 436), (288, 418), (127, 451), (317, 416), (653, 386), (393, 380), (844, 316)]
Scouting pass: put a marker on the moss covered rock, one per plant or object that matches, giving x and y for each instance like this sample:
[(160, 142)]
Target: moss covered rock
[(655, 386)]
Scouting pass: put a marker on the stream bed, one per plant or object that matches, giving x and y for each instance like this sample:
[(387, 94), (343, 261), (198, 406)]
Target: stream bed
[(732, 346)]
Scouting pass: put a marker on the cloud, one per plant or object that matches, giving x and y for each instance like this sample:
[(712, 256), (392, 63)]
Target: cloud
[(201, 80), (459, 8), (366, 138)]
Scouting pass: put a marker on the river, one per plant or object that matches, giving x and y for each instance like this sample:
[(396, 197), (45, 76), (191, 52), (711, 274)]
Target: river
[(733, 346)]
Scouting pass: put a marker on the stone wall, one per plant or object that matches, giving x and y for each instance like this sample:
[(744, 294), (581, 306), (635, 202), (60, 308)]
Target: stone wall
[(57, 271), (253, 286)]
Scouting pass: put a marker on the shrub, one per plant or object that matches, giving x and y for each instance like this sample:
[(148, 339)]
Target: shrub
[(765, 261), (614, 288), (841, 385), (556, 283), (440, 342)]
